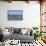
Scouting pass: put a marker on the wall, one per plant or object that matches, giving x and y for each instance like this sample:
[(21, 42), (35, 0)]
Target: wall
[(31, 14)]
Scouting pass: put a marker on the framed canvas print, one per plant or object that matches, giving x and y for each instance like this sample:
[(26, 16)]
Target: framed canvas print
[(15, 14)]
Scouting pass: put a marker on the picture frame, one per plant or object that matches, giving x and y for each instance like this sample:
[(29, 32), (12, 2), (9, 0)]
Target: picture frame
[(15, 14)]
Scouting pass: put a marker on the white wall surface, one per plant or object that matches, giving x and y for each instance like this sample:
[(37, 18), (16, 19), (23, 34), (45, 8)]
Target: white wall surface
[(31, 14)]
